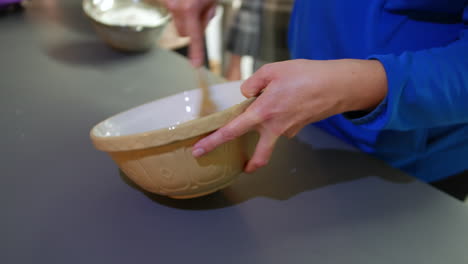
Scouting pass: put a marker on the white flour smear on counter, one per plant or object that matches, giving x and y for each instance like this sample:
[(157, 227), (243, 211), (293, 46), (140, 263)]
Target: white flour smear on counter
[(132, 16)]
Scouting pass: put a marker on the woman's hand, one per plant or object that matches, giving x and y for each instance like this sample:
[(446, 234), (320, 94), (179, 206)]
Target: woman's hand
[(296, 93), (191, 18)]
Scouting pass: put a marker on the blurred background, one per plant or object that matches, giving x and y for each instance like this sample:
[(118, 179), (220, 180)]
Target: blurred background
[(243, 35)]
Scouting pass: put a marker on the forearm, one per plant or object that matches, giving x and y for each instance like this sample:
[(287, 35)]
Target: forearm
[(365, 82), (425, 88)]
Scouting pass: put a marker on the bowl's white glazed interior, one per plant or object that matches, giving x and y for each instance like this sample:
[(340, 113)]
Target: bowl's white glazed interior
[(169, 112)]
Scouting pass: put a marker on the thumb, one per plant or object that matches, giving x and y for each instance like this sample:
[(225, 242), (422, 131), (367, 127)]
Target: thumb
[(254, 85)]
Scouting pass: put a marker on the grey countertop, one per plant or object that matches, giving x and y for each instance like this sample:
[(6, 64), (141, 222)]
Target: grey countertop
[(62, 201)]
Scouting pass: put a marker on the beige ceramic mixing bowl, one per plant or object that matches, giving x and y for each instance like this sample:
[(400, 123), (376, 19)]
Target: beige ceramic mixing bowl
[(152, 143)]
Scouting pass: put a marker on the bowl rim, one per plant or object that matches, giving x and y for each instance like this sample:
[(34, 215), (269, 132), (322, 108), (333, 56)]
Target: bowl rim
[(164, 20), (163, 136)]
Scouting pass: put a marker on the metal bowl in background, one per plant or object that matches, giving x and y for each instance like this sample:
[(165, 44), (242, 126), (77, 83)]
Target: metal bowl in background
[(123, 31)]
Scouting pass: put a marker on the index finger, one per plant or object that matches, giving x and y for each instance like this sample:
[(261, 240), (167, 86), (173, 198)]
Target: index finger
[(234, 129), (196, 33)]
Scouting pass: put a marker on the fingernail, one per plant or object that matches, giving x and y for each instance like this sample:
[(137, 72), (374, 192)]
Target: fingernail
[(198, 152), (197, 62), (171, 4), (249, 169)]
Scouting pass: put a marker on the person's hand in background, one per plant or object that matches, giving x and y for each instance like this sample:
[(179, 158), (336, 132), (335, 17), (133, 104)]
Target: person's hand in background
[(296, 93), (191, 18)]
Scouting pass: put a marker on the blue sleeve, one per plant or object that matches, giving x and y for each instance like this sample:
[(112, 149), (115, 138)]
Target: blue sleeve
[(426, 88)]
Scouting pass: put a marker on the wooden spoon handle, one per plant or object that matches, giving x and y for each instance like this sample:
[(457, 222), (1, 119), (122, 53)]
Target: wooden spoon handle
[(207, 106)]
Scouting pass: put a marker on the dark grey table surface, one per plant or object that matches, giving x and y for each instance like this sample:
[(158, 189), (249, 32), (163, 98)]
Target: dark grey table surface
[(62, 201)]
